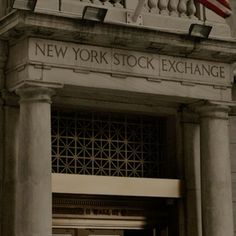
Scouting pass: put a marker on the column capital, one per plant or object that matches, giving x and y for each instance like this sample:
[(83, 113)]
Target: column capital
[(218, 111), (213, 109), (35, 94)]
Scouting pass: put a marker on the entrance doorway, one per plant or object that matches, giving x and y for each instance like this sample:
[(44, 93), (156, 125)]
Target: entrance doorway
[(78, 215)]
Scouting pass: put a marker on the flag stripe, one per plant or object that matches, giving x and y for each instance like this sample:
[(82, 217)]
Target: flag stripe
[(225, 3), (216, 6)]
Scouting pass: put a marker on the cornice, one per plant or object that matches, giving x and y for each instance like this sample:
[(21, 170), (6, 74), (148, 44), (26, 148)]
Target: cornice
[(21, 24)]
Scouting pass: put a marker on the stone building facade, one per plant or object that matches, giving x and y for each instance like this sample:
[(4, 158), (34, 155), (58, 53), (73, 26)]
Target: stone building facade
[(116, 127)]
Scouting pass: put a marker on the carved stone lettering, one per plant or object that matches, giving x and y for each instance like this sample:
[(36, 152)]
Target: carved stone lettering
[(111, 60), (143, 62), (194, 69), (50, 50), (199, 69)]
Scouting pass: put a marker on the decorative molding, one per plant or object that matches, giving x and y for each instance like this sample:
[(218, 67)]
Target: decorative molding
[(211, 110), (35, 83), (65, 29), (31, 94)]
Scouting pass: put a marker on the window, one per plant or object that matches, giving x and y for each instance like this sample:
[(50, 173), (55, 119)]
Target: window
[(108, 144)]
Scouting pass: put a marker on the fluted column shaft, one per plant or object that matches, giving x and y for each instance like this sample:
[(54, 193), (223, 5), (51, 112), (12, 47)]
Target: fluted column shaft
[(216, 187), (34, 197)]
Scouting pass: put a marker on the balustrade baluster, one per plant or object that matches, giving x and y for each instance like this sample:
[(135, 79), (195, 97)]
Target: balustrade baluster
[(146, 7), (163, 7), (118, 4), (182, 8), (191, 9), (86, 1), (153, 6), (106, 2), (97, 2), (173, 4)]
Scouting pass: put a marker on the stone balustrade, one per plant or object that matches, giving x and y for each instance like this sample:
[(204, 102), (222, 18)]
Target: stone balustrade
[(176, 8), (170, 15), (179, 8), (111, 3)]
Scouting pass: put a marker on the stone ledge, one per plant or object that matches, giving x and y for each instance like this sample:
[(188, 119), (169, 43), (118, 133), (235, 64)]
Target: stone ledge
[(19, 24)]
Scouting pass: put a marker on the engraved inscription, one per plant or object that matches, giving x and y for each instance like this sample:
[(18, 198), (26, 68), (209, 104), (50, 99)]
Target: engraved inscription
[(50, 50), (131, 63), (130, 60), (185, 67), (84, 54)]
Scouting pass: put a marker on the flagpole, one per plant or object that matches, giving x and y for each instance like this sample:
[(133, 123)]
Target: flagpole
[(138, 10)]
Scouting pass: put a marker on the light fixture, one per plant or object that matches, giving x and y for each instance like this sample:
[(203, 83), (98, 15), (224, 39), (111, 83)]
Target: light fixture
[(94, 13), (199, 31), (24, 4)]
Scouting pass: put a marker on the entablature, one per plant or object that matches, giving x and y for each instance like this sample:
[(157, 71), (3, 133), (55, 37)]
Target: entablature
[(51, 62), (21, 24)]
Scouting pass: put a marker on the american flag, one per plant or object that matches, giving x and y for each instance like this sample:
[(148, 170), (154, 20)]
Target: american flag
[(220, 7)]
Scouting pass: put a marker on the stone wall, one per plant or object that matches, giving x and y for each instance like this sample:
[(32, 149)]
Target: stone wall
[(232, 19)]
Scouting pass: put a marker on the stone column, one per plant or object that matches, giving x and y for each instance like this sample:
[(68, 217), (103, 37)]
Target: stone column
[(10, 131), (217, 213), (192, 177), (34, 193)]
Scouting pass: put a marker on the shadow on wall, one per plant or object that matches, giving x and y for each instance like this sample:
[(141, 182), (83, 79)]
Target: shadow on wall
[(232, 19)]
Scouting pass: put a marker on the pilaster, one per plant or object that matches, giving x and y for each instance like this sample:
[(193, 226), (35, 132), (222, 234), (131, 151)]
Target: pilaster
[(34, 196), (191, 151)]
